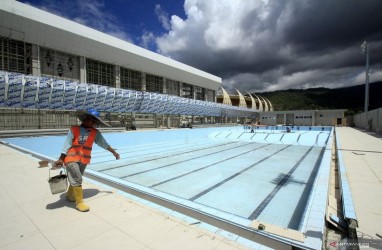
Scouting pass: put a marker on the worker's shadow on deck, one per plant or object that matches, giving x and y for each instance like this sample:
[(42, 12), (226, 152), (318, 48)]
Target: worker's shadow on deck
[(62, 202)]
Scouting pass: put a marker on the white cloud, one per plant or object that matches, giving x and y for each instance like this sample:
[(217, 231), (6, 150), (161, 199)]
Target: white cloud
[(147, 39), (176, 40), (163, 17), (218, 25), (376, 75)]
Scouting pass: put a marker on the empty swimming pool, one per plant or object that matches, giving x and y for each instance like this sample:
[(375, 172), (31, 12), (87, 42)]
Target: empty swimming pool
[(267, 175)]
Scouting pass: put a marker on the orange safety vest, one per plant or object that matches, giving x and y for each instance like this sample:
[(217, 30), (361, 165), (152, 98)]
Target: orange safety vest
[(78, 152)]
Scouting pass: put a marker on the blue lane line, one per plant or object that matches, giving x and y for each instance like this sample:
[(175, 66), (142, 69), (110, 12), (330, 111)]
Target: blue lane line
[(234, 175), (151, 152), (240, 135), (298, 138), (265, 139), (218, 134), (317, 137), (260, 208), (131, 149), (144, 153), (207, 166), (186, 160), (303, 202), (167, 156), (327, 139), (282, 137), (228, 135)]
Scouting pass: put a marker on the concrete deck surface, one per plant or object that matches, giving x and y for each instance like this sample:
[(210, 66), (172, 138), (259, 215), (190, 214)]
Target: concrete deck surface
[(362, 155), (32, 218)]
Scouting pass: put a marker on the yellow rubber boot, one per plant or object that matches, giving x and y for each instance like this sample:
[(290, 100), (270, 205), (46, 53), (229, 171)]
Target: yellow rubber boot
[(78, 195), (70, 195)]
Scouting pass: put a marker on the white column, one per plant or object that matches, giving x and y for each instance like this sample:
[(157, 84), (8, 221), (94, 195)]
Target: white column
[(117, 76), (168, 121), (36, 67), (83, 69), (143, 86), (164, 85), (133, 120), (180, 88), (155, 120)]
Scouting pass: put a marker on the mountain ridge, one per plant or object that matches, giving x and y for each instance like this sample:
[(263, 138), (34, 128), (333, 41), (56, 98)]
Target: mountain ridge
[(350, 98)]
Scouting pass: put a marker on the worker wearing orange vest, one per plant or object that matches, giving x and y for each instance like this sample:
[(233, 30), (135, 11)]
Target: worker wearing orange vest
[(76, 153)]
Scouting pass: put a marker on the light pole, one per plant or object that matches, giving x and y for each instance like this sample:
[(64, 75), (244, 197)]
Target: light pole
[(365, 51)]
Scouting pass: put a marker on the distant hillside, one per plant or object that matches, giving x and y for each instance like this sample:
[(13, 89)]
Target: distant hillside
[(350, 98)]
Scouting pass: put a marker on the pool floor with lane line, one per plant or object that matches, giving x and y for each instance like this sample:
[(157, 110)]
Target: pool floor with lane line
[(253, 176)]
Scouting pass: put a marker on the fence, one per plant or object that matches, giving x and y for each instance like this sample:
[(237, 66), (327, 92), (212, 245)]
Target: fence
[(29, 119), (18, 119), (371, 120)]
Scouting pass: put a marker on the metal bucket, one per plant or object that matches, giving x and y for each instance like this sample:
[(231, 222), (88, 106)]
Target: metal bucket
[(58, 183)]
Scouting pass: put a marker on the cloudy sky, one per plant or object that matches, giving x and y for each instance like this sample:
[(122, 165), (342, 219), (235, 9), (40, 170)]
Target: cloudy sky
[(253, 45)]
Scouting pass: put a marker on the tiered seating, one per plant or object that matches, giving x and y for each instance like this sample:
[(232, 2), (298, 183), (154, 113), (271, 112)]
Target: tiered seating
[(17, 90)]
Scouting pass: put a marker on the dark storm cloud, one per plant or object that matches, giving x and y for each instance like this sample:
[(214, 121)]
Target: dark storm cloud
[(319, 25), (268, 45)]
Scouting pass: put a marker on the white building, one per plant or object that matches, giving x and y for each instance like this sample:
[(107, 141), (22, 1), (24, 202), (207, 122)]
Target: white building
[(304, 118), (36, 43)]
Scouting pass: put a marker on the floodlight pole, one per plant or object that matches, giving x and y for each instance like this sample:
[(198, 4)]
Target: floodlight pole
[(367, 81), (365, 51)]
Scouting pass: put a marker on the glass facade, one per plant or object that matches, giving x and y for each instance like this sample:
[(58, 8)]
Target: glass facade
[(199, 93), (187, 91), (15, 56), (210, 95), (130, 79), (100, 73), (154, 83), (172, 87)]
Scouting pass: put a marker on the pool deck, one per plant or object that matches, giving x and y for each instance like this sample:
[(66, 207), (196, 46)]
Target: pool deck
[(32, 218), (362, 155)]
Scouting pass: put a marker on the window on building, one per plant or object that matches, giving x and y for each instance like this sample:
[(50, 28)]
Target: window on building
[(199, 93), (15, 56), (210, 95), (154, 83), (131, 79), (172, 87), (100, 73), (187, 91)]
